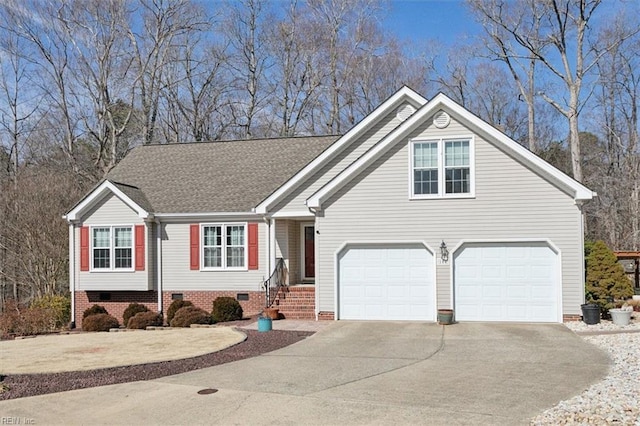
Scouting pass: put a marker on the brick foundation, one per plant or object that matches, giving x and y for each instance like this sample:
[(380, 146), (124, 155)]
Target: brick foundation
[(204, 299), (119, 300), (118, 303), (571, 317), (330, 316), (297, 302)]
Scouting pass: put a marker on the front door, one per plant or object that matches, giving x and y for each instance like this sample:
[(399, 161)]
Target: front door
[(308, 252)]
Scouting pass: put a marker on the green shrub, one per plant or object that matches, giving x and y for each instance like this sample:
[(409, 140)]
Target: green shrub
[(606, 280), (142, 320), (95, 309), (132, 309), (190, 315), (174, 307), (99, 322), (60, 307), (226, 309)]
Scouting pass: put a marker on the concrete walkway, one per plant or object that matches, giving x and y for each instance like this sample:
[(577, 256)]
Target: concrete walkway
[(90, 351), (355, 373)]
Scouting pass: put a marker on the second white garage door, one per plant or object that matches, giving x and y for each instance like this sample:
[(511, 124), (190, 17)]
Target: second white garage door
[(507, 282), (391, 282)]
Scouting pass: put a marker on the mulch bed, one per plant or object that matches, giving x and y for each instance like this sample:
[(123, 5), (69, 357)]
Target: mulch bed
[(23, 385)]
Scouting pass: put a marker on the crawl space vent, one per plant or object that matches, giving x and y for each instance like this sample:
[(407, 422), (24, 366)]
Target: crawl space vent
[(441, 119), (405, 111)]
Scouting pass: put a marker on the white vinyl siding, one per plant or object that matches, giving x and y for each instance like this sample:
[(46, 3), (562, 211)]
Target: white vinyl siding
[(177, 275), (112, 213), (511, 202), (295, 202)]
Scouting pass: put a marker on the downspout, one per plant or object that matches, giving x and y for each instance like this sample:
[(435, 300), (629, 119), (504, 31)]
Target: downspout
[(72, 273), (159, 262)]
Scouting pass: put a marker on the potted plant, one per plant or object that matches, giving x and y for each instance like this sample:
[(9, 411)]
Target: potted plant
[(270, 312), (445, 316), (621, 316)]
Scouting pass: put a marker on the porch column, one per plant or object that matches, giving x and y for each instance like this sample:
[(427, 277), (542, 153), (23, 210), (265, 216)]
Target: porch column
[(272, 245)]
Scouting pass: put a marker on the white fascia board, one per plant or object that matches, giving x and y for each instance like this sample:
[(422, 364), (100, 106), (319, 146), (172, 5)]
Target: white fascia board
[(404, 94), (316, 200), (97, 194), (441, 101)]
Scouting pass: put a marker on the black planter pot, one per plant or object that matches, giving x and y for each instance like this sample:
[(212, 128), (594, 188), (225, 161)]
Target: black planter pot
[(590, 313)]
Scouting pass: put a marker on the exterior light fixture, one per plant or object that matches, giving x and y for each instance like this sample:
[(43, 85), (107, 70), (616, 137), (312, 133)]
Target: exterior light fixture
[(444, 253)]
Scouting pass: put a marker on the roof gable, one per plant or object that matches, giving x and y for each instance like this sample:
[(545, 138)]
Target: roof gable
[(129, 195), (404, 95), (441, 101)]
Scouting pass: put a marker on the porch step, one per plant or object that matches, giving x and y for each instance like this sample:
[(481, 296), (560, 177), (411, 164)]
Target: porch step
[(297, 302)]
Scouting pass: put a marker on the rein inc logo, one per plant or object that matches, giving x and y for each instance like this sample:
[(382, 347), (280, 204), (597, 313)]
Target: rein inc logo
[(17, 421)]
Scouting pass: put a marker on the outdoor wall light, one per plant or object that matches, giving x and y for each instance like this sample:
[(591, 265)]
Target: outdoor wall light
[(444, 253)]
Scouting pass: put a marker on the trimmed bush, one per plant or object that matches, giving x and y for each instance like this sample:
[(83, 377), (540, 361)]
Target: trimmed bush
[(133, 309), (606, 280), (142, 320), (174, 307), (226, 309), (95, 309), (190, 315), (99, 322), (59, 307)]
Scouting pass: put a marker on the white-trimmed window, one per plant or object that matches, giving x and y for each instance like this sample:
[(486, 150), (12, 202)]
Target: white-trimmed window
[(112, 247), (224, 246), (442, 168)]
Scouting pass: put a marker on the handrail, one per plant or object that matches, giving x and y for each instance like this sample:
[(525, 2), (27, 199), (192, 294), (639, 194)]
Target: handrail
[(275, 282)]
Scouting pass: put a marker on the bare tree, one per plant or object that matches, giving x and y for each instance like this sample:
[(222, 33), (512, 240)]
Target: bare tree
[(527, 17), (566, 33), (165, 24), (244, 25)]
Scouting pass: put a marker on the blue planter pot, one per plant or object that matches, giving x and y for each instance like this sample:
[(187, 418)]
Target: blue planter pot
[(264, 324)]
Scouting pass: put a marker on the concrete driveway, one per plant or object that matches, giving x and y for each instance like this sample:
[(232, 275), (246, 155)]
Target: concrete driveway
[(355, 373)]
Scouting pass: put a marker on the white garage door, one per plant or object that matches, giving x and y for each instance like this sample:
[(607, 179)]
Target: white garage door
[(386, 283), (506, 282)]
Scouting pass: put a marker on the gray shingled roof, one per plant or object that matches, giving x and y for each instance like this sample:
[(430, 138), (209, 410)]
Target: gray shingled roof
[(207, 177)]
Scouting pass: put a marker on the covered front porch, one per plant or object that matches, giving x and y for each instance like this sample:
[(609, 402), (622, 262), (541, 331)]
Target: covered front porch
[(293, 241)]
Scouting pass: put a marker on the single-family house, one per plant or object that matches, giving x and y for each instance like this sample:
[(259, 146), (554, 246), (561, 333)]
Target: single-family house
[(420, 206)]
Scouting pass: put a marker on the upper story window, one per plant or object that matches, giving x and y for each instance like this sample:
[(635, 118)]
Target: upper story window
[(224, 246), (442, 168), (112, 247)]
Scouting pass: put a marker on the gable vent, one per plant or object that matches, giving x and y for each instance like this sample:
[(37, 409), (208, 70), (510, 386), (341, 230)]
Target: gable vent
[(441, 119), (405, 111)]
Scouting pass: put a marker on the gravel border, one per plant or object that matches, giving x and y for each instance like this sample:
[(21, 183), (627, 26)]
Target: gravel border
[(614, 400), (24, 385)]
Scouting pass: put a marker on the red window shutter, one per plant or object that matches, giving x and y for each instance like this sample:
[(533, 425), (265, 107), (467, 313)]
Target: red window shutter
[(253, 246), (84, 248), (139, 247), (195, 247)]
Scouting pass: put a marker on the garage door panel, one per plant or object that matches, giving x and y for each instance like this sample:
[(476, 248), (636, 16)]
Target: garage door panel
[(395, 282), (512, 282)]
